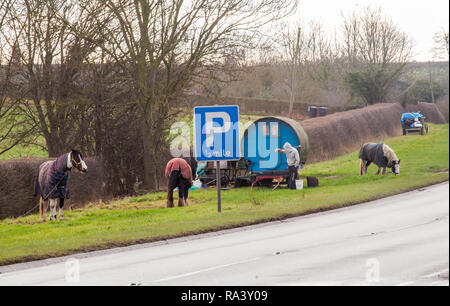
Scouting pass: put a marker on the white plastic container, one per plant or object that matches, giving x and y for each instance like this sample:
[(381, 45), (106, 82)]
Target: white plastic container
[(299, 184), (197, 183)]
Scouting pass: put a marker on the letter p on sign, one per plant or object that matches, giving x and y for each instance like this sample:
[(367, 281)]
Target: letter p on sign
[(212, 126)]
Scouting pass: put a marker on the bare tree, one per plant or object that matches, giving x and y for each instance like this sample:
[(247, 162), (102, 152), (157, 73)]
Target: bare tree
[(50, 58), (441, 49), (14, 129), (293, 44), (316, 56), (377, 51)]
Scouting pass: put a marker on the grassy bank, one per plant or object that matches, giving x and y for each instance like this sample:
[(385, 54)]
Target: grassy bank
[(424, 161)]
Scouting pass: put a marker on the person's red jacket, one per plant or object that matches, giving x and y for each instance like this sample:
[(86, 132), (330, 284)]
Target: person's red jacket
[(177, 164)]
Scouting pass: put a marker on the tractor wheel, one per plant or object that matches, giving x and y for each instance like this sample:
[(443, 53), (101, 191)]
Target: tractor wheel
[(404, 131)]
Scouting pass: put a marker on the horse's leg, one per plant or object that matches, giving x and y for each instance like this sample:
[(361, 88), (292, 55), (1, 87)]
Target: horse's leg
[(46, 204), (170, 197), (42, 209), (384, 171), (60, 207), (181, 192), (172, 182), (361, 167), (186, 194), (53, 204), (378, 171)]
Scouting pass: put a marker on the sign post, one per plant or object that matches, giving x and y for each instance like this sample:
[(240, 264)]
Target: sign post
[(216, 133), (218, 185)]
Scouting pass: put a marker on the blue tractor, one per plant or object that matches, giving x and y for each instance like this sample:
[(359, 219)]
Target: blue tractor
[(414, 123)]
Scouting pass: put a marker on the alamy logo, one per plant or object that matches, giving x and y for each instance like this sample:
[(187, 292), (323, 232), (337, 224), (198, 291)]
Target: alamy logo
[(373, 270), (216, 138), (73, 271)]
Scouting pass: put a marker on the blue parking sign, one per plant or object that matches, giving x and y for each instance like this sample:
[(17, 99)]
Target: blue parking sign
[(216, 130)]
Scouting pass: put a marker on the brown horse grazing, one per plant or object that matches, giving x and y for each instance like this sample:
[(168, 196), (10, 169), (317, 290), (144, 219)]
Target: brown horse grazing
[(381, 155), (179, 173), (51, 182)]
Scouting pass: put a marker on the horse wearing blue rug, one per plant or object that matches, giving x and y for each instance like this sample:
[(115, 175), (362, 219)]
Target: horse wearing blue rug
[(51, 182), (381, 155)]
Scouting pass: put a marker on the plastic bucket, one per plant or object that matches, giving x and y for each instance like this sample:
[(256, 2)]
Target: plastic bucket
[(299, 184), (197, 183)]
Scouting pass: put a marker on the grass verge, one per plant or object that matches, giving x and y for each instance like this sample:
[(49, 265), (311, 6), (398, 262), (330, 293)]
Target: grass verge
[(424, 161)]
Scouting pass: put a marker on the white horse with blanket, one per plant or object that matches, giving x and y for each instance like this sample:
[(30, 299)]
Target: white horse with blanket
[(381, 155), (51, 182)]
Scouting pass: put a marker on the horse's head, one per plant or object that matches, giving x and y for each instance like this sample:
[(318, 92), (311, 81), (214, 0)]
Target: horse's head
[(77, 160), (395, 167)]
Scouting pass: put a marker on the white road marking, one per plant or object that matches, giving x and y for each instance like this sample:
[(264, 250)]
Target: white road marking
[(405, 284), (436, 274), (204, 270)]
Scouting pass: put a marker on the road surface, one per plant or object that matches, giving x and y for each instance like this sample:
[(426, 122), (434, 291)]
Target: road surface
[(400, 240)]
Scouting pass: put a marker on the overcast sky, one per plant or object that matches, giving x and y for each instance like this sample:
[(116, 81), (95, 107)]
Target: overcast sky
[(419, 19)]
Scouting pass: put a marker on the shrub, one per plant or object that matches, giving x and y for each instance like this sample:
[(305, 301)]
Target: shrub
[(17, 178)]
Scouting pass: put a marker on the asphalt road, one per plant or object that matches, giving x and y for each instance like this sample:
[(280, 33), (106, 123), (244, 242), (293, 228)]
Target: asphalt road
[(400, 240)]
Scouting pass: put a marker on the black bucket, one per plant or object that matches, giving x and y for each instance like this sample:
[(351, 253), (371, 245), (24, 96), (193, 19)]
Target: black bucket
[(323, 111), (312, 111)]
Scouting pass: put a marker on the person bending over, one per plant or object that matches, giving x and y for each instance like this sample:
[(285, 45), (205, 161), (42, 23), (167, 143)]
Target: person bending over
[(178, 174), (293, 161)]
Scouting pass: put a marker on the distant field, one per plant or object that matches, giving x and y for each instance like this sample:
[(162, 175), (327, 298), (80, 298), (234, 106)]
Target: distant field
[(424, 161), (24, 151), (21, 150)]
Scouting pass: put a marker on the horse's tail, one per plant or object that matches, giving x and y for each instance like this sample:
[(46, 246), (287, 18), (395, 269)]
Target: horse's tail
[(361, 151), (37, 187)]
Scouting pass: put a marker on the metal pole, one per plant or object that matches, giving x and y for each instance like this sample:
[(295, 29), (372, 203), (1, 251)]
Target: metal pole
[(219, 204)]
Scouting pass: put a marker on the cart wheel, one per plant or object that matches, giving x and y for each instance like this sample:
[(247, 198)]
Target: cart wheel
[(404, 131), (225, 180)]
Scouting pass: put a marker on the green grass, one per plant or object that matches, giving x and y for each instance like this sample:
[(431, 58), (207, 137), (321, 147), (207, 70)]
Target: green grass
[(23, 151), (144, 218)]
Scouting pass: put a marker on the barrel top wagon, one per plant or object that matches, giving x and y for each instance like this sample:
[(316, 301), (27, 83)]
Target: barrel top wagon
[(265, 134), (259, 162)]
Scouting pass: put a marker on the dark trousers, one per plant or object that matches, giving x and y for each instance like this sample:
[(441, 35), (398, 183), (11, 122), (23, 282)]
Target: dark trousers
[(293, 175), (177, 180)]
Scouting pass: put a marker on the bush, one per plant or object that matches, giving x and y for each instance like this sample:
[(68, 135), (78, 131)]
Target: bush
[(420, 91), (429, 110), (442, 104)]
